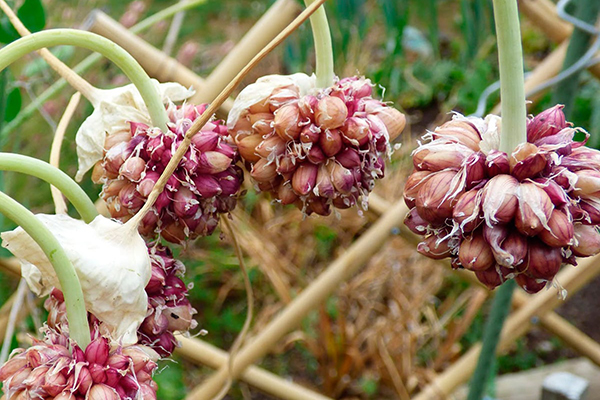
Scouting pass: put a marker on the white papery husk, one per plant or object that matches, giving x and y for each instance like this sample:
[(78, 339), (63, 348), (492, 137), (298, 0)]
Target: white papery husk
[(264, 86), (112, 263), (113, 110)]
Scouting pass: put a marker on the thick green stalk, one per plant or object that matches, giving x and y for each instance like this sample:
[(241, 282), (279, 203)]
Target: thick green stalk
[(76, 313), (323, 48), (40, 169), (87, 63), (512, 84), (91, 41), (491, 336)]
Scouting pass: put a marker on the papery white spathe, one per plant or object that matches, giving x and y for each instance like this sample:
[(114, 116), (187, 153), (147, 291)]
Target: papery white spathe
[(264, 86), (112, 264), (113, 109)]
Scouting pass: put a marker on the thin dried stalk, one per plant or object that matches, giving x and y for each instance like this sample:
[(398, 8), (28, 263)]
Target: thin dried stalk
[(60, 205), (204, 353), (13, 319)]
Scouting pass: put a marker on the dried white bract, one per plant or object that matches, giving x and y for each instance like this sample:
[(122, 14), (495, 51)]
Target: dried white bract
[(264, 87), (113, 110), (112, 263)]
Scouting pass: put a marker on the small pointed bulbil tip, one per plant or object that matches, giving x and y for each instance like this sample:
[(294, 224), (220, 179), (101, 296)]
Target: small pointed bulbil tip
[(434, 247), (474, 253), (529, 284), (102, 392), (436, 198), (394, 121), (500, 202), (415, 223), (331, 112), (497, 163), (460, 131), (547, 123), (466, 211), (534, 210), (287, 122), (543, 261), (304, 178), (560, 232), (97, 351), (586, 240), (494, 276)]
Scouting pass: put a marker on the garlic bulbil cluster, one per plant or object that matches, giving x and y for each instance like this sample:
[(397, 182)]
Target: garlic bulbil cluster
[(314, 148), (169, 310), (113, 110), (54, 368), (519, 215), (204, 185)]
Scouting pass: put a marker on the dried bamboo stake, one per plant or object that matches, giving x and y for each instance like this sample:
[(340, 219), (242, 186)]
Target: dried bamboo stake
[(154, 61), (340, 270), (277, 17), (516, 325), (550, 321), (11, 266), (543, 14), (203, 353)]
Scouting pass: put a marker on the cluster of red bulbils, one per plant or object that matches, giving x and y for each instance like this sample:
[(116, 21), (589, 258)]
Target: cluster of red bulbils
[(519, 215)]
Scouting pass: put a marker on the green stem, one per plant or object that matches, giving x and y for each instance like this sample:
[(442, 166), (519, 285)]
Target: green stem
[(491, 336), (91, 41), (54, 176), (87, 63), (323, 47), (76, 313), (512, 84)]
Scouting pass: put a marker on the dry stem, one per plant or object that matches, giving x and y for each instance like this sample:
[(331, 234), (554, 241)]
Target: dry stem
[(60, 205)]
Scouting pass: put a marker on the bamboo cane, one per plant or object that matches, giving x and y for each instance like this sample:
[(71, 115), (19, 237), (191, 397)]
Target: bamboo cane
[(543, 14), (203, 353), (270, 24), (11, 266), (517, 324), (155, 62), (341, 269)]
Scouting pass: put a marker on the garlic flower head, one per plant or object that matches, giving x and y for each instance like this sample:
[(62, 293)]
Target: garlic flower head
[(519, 215), (113, 109), (112, 263), (316, 148)]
